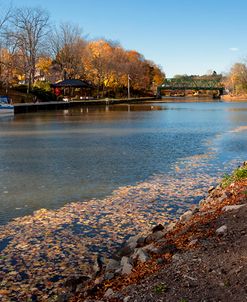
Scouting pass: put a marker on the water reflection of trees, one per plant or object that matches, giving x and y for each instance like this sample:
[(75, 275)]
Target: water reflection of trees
[(110, 108)]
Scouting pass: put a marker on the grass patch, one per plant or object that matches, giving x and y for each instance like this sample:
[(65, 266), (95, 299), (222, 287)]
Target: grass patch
[(238, 174), (160, 288)]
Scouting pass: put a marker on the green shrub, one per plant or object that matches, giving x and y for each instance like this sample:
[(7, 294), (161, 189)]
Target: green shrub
[(238, 174), (45, 86), (226, 181), (241, 173), (20, 88), (43, 95)]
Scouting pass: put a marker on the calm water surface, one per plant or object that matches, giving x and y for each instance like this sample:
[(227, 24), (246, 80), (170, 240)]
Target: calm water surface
[(48, 159)]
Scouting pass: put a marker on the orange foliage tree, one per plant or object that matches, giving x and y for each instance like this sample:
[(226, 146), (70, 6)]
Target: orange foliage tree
[(108, 66), (31, 55), (9, 72)]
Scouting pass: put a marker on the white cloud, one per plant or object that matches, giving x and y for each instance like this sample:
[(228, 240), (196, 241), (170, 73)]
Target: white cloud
[(234, 49)]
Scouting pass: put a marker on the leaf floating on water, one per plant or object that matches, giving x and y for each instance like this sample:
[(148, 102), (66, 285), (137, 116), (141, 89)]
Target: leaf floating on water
[(55, 244)]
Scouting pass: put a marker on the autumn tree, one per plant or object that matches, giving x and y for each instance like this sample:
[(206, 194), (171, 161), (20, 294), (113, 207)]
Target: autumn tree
[(135, 69), (6, 62), (236, 81), (4, 18), (98, 66), (145, 75), (67, 47), (119, 62), (29, 30), (43, 65), (108, 66), (31, 51), (156, 76)]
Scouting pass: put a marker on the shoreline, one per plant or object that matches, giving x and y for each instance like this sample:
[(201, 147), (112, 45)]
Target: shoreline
[(49, 248), (41, 251), (48, 106), (232, 98), (144, 260), (51, 106)]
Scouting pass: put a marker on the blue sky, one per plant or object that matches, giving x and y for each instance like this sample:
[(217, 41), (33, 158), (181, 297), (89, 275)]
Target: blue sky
[(182, 36)]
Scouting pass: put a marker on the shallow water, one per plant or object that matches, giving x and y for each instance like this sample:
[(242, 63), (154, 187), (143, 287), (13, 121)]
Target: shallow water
[(131, 167), (48, 159)]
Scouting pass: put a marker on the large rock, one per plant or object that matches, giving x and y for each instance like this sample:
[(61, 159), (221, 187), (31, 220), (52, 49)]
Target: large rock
[(140, 255), (233, 207), (141, 242), (157, 228), (186, 216), (222, 230), (132, 241), (126, 266), (150, 249), (125, 251), (98, 265), (112, 265), (109, 276), (154, 236)]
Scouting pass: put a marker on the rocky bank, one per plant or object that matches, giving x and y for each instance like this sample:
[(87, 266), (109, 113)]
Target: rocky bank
[(200, 257)]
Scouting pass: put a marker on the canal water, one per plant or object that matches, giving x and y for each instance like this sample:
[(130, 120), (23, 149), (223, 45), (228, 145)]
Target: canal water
[(48, 159)]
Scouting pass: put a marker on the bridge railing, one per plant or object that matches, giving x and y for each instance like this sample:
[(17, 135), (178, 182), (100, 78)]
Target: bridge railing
[(193, 83)]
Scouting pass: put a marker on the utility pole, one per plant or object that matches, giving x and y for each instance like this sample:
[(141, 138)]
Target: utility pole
[(128, 86)]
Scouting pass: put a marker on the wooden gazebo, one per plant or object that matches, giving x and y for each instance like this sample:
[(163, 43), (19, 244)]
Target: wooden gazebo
[(70, 86)]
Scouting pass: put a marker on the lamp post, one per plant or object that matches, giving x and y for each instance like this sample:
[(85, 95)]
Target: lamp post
[(129, 86)]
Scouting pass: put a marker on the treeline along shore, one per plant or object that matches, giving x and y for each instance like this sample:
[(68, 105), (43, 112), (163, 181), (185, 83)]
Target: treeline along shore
[(35, 53)]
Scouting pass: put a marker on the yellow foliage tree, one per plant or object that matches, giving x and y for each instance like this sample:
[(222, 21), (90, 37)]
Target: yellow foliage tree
[(43, 66), (8, 68), (97, 63), (236, 81)]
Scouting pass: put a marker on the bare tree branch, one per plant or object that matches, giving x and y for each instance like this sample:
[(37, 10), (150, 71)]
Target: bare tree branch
[(29, 29)]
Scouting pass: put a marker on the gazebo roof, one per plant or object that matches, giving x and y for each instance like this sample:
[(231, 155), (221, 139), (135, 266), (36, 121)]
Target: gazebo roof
[(73, 83)]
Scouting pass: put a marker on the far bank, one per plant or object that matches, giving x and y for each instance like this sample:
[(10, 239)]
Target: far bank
[(234, 98)]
